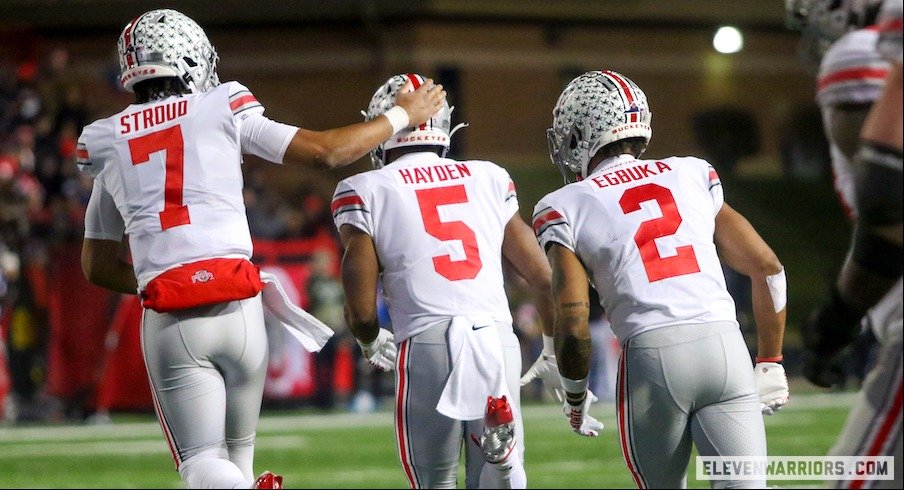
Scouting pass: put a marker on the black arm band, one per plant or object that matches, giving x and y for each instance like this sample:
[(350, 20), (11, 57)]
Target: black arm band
[(879, 189), (876, 254)]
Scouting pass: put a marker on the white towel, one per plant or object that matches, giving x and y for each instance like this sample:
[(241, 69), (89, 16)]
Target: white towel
[(478, 368), (307, 329)]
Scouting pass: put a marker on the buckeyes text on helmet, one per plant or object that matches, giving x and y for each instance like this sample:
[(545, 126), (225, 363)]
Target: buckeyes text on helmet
[(437, 131), (167, 43), (595, 109)]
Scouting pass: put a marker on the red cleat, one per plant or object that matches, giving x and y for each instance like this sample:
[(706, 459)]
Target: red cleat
[(498, 439), (268, 480), (498, 412)]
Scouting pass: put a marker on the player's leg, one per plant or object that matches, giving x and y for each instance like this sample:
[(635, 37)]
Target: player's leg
[(429, 443), (244, 369), (873, 427), (729, 422), (508, 473), (188, 390), (653, 426)]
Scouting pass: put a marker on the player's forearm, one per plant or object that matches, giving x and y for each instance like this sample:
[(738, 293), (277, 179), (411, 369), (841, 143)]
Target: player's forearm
[(572, 340), (116, 276), (363, 324), (337, 147), (770, 324)]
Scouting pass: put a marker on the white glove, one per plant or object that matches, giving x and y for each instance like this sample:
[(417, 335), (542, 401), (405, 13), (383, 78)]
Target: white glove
[(581, 421), (772, 385), (382, 351), (546, 369)]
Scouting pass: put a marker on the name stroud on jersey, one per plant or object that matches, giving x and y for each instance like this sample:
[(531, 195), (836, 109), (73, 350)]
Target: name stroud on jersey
[(152, 116)]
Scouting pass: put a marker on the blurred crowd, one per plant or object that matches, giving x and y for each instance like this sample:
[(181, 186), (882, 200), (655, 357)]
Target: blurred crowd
[(43, 109)]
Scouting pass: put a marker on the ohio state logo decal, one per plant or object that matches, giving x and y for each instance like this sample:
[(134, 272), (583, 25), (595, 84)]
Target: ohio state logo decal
[(202, 275)]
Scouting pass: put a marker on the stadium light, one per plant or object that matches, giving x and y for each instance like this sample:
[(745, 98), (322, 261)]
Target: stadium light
[(728, 40)]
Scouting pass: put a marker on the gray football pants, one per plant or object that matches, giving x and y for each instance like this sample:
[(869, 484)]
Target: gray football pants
[(873, 427), (430, 443), (207, 368), (687, 384)]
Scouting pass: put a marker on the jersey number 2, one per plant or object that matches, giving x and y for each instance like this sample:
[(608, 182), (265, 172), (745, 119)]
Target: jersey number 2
[(658, 267), (429, 200), (170, 139)]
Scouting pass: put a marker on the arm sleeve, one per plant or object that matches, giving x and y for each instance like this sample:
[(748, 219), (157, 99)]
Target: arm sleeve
[(510, 194), (715, 187), (258, 135), (265, 138), (83, 158), (102, 219), (349, 208), (551, 226)]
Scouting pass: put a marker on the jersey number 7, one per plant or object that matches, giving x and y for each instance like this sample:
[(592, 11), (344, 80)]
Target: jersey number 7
[(170, 140), (658, 267), (429, 200)]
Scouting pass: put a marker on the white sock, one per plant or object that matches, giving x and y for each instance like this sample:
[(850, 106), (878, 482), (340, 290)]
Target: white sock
[(241, 453), (507, 474), (211, 469)]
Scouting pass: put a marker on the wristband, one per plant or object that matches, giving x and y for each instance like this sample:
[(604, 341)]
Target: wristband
[(549, 346), (398, 118), (574, 385), (777, 359)]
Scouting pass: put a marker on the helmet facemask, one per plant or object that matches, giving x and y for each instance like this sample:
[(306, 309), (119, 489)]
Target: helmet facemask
[(437, 131), (166, 43), (595, 109)]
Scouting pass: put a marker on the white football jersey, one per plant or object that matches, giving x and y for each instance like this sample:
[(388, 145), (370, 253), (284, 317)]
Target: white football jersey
[(851, 72), (171, 169), (891, 45), (438, 226), (644, 230)]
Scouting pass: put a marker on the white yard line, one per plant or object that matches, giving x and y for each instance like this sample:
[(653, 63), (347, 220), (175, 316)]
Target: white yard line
[(279, 423), (126, 446)]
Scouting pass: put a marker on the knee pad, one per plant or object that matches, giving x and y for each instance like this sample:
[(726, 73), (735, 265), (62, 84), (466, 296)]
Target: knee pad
[(876, 254), (879, 189)]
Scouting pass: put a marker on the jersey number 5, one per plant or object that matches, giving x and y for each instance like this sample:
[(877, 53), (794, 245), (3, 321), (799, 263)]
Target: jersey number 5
[(429, 200), (658, 267), (170, 139)]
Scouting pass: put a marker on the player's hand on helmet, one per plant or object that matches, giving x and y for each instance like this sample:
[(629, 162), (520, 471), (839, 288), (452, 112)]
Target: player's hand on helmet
[(420, 104), (772, 385), (546, 369), (381, 353), (579, 418)]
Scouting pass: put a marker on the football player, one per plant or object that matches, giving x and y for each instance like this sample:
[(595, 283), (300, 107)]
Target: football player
[(167, 173), (435, 232), (646, 234), (859, 92)]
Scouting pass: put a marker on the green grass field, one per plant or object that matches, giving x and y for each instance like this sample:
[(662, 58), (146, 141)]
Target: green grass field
[(315, 450)]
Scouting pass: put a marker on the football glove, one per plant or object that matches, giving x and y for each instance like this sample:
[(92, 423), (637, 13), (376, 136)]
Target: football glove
[(772, 386), (823, 370), (831, 327), (581, 421), (381, 353), (546, 369)]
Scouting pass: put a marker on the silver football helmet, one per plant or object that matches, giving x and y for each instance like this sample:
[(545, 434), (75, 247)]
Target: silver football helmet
[(437, 130), (595, 109), (830, 18), (167, 43)]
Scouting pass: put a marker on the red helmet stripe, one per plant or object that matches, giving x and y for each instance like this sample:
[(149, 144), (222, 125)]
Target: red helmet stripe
[(625, 90), (127, 40)]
